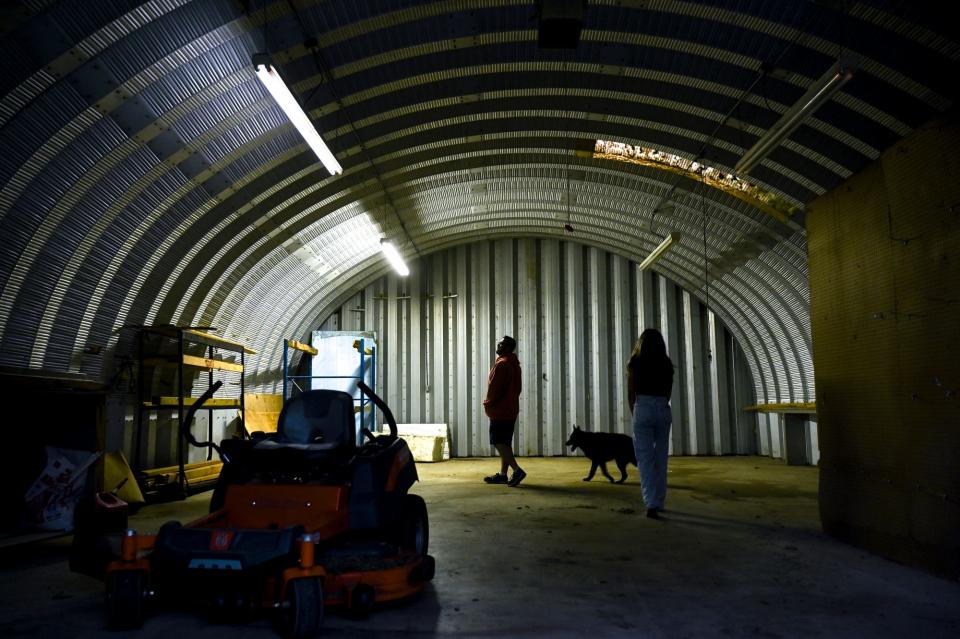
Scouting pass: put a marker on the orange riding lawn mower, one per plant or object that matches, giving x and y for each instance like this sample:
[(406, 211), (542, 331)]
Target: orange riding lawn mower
[(299, 519)]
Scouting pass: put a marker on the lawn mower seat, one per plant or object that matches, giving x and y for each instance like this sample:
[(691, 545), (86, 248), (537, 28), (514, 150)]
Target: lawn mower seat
[(317, 421)]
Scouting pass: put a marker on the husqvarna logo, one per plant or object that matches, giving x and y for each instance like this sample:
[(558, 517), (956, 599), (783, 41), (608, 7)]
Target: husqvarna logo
[(220, 540)]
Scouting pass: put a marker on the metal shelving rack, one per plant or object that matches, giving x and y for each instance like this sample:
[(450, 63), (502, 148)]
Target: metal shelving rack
[(183, 337)]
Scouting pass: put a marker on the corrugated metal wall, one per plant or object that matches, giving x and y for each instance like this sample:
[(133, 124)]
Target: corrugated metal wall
[(576, 312)]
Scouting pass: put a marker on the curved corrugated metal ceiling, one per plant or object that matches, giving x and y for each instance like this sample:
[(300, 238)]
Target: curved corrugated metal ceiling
[(147, 177)]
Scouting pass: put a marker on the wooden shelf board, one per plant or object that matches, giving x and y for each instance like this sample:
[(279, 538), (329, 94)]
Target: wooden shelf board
[(195, 362), (171, 402)]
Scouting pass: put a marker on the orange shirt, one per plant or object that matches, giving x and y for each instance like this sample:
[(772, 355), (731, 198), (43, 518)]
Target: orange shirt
[(503, 388)]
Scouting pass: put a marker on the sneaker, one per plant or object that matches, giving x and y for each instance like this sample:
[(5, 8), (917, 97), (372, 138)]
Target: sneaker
[(496, 478), (654, 513), (518, 476)]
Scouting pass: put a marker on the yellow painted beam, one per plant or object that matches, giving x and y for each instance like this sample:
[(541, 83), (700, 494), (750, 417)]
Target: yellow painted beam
[(189, 401), (215, 364), (196, 362), (195, 473), (197, 335), (300, 346), (786, 407), (367, 349), (217, 338)]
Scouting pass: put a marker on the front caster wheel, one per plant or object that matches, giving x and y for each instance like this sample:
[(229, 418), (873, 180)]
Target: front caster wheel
[(412, 531), (302, 610), (125, 599)]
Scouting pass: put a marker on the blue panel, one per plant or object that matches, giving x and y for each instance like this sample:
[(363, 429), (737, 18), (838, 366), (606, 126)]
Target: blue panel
[(283, 33), (16, 65), (165, 144), (43, 38), (133, 116), (217, 184), (93, 80), (194, 165)]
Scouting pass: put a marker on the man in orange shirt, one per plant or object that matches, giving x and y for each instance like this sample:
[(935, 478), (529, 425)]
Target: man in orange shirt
[(502, 405)]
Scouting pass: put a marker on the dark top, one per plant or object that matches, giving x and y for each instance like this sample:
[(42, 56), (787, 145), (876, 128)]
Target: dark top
[(651, 378), (504, 384)]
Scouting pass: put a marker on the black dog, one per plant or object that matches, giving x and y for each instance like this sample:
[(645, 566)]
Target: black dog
[(601, 448)]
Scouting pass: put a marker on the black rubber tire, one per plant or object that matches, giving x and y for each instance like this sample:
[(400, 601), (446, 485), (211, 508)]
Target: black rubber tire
[(165, 530), (413, 527), (362, 600), (428, 569), (125, 599), (425, 571), (302, 614)]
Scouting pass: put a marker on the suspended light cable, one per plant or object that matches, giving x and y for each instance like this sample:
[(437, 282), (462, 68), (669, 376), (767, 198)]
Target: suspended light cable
[(313, 47)]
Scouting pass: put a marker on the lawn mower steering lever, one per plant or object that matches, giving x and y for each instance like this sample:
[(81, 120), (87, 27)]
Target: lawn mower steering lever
[(188, 420), (382, 405)]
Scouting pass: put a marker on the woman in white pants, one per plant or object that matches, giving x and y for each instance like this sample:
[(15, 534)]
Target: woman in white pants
[(649, 384)]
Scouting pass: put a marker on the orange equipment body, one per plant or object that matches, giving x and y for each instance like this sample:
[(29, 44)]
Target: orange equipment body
[(321, 510), (302, 518)]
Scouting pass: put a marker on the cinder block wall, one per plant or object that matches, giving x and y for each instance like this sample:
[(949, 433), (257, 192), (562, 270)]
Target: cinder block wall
[(884, 264)]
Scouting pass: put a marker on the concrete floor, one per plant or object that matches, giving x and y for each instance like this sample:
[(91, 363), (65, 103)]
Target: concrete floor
[(739, 554)]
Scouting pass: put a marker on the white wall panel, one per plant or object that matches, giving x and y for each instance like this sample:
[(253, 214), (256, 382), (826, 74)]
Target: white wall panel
[(551, 347), (464, 394), (763, 434), (693, 356), (483, 342), (438, 342), (414, 355), (720, 395), (529, 424), (671, 328), (621, 339), (575, 338), (599, 341), (643, 299)]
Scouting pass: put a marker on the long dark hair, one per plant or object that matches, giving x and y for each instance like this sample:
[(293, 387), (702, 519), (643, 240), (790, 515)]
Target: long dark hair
[(649, 349)]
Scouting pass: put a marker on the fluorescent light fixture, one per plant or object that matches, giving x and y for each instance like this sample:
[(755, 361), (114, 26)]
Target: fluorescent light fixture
[(820, 92), (278, 89), (393, 256), (660, 250)]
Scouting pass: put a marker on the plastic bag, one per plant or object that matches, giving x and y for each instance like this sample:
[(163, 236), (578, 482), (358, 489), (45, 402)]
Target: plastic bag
[(51, 499)]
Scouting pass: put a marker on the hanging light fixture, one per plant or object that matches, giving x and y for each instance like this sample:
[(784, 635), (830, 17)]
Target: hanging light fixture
[(816, 96), (278, 89), (662, 248), (393, 256)]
